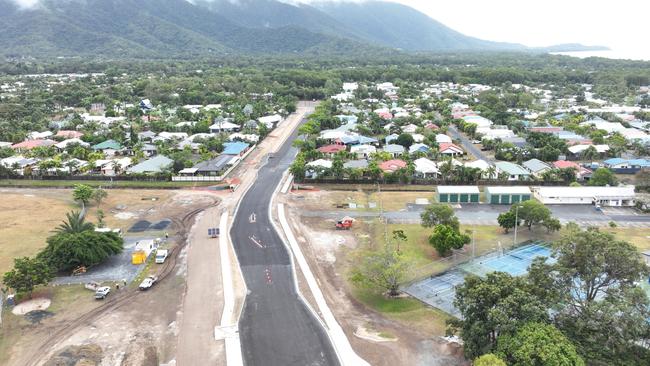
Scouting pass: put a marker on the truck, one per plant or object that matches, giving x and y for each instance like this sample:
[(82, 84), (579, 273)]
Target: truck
[(345, 223), (161, 255)]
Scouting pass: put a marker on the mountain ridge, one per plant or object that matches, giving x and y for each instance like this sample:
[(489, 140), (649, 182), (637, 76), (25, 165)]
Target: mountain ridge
[(183, 29)]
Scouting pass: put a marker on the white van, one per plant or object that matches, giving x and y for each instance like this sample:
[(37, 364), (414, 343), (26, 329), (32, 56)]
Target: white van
[(161, 255)]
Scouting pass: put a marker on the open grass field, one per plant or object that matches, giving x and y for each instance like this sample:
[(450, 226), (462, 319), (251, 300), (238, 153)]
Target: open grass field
[(28, 216)]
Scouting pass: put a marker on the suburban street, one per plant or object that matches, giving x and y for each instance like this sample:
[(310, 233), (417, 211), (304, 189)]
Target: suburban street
[(275, 327), (466, 143)]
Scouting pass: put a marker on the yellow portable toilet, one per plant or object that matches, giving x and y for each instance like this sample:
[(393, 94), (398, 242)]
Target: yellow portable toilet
[(138, 257)]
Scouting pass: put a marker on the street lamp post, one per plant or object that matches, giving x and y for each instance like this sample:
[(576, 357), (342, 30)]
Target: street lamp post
[(516, 222)]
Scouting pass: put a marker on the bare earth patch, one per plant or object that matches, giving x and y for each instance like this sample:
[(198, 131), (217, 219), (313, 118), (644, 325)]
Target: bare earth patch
[(31, 305)]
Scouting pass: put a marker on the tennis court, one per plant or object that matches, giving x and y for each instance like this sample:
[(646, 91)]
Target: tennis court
[(439, 291)]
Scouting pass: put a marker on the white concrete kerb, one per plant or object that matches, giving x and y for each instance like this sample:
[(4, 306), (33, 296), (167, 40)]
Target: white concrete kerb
[(340, 341), (228, 330)]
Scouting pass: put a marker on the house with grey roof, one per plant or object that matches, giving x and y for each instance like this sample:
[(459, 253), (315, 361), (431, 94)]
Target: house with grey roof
[(154, 165), (536, 167), (513, 171), (394, 149), (356, 164)]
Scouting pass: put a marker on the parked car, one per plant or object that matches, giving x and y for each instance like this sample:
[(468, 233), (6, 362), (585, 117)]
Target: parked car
[(102, 292), (161, 255), (147, 283)]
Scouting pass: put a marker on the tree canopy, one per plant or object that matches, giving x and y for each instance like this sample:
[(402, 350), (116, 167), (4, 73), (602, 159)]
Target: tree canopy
[(27, 274), (66, 251)]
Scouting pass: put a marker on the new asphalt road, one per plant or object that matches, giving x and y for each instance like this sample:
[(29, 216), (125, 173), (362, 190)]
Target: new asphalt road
[(276, 329)]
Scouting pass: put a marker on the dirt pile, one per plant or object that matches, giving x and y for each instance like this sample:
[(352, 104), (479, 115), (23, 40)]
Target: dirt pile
[(81, 355)]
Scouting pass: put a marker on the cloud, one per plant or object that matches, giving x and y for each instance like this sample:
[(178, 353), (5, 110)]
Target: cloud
[(26, 4)]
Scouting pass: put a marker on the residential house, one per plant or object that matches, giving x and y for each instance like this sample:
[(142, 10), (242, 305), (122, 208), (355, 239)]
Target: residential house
[(513, 171), (419, 148), (212, 167), (154, 165), (356, 164), (483, 165), (270, 121), (149, 150), (146, 135), (577, 150), (108, 147), (450, 149), (443, 139), (600, 124), (39, 135), (536, 167), (19, 163), (69, 134), (582, 173), (394, 150), (391, 166), (235, 148), (363, 151), (113, 167), (626, 166), (425, 168), (65, 143), (391, 137), (222, 126), (331, 149), (31, 144)]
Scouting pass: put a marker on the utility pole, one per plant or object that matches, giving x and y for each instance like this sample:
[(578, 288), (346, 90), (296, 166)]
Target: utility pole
[(381, 214), (516, 222)]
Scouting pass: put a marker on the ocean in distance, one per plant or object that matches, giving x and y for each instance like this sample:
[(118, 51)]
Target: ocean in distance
[(637, 54)]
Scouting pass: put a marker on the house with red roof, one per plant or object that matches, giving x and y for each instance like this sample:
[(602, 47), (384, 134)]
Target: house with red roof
[(391, 166), (69, 134), (31, 144), (331, 149), (581, 172), (450, 149)]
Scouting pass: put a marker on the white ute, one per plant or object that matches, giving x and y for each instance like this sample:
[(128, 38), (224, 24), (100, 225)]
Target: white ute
[(102, 292), (161, 255), (147, 283)]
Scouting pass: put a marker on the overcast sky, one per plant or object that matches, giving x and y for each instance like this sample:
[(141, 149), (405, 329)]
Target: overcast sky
[(619, 24)]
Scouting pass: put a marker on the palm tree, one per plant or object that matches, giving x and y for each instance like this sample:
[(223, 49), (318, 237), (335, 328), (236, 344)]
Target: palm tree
[(75, 223)]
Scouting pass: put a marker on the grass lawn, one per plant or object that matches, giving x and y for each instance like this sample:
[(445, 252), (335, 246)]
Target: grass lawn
[(103, 183), (640, 237), (15, 327), (26, 220), (408, 311)]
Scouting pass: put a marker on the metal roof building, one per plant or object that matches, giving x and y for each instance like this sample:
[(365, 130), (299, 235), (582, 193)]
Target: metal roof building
[(458, 194), (604, 196), (505, 195)]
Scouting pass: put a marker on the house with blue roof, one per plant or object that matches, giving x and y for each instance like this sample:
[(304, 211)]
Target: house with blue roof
[(367, 140), (626, 166), (419, 148), (349, 140), (237, 148)]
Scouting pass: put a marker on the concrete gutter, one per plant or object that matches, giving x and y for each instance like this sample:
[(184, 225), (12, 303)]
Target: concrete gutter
[(228, 329), (340, 341)]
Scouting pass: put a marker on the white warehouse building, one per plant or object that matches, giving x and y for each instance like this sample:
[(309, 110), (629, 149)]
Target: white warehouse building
[(603, 196)]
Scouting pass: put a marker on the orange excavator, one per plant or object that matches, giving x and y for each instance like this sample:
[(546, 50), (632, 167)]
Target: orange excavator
[(345, 223)]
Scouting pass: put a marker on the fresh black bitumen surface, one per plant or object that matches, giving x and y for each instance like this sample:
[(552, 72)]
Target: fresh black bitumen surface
[(276, 329)]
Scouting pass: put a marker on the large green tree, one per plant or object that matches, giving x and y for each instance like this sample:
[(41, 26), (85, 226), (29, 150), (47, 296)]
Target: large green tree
[(382, 271), (507, 220), (492, 306), (598, 303), (445, 238), (27, 274), (602, 177), (82, 193), (66, 251), (489, 359), (532, 212), (538, 344), (439, 214)]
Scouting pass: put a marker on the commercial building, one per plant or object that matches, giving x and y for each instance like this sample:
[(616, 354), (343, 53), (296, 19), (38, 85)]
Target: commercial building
[(507, 194), (458, 194), (603, 196)]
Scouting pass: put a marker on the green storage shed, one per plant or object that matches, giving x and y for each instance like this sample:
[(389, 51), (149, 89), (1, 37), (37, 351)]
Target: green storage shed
[(458, 194), (506, 195)]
